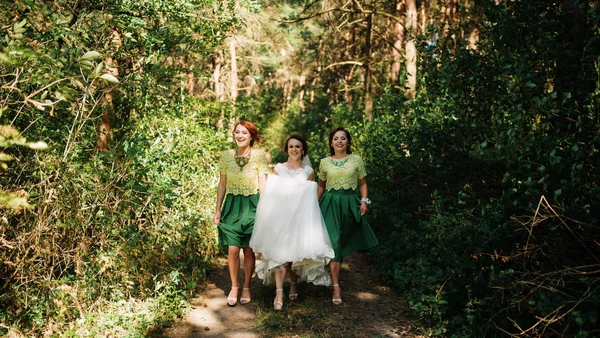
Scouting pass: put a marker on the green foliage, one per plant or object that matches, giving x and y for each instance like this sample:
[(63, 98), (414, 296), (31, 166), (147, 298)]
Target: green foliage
[(485, 185), (10, 137), (116, 238), (120, 223)]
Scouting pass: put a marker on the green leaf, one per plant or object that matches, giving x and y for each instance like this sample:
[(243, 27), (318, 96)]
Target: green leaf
[(20, 24), (86, 64), (91, 56), (12, 200), (109, 78), (99, 68), (59, 96), (5, 157), (40, 145)]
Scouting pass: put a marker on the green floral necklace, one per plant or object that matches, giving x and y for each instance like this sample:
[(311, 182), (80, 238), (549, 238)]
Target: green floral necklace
[(340, 162), (241, 161)]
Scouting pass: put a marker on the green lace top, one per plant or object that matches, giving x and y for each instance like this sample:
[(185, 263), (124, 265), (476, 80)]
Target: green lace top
[(243, 180), (343, 174)]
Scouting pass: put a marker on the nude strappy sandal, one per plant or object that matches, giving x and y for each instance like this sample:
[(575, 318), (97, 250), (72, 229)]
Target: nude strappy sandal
[(336, 301), (278, 305), (245, 301), (231, 301)]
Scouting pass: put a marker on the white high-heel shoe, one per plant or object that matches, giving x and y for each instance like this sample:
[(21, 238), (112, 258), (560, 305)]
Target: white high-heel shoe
[(245, 301), (278, 305), (337, 301), (231, 301)]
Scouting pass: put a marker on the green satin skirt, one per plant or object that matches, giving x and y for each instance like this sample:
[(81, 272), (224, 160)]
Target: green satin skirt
[(348, 230), (237, 221)]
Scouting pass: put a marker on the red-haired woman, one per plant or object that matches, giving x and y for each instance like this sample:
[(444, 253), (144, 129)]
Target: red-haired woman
[(243, 173)]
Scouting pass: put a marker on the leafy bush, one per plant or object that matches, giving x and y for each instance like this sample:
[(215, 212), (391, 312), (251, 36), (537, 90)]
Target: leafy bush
[(486, 184), (123, 224)]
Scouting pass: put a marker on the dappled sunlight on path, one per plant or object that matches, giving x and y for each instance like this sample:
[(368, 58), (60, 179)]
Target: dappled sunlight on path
[(211, 317), (369, 309)]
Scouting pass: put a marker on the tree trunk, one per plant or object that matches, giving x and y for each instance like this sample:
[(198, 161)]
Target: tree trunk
[(473, 38), (448, 11), (104, 133), (410, 53), (398, 46), (190, 82), (234, 70), (348, 96), (217, 75), (302, 85), (423, 26), (368, 70), (218, 89)]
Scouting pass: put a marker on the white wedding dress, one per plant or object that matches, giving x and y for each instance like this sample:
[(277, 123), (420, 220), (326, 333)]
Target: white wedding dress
[(289, 227)]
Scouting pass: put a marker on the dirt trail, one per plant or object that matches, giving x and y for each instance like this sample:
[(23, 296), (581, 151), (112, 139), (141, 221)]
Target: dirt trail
[(369, 309)]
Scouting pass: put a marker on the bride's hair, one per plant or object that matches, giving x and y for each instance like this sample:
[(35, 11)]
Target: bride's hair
[(299, 138)]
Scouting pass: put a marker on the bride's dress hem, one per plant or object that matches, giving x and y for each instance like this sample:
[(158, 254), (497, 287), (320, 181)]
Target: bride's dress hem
[(289, 228)]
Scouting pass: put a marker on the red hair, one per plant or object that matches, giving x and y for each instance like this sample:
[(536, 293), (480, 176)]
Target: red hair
[(251, 129)]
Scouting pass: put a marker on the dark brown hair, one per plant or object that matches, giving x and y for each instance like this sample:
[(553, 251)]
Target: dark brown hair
[(299, 138), (331, 150)]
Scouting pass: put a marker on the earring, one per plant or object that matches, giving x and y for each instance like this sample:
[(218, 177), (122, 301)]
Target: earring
[(302, 153)]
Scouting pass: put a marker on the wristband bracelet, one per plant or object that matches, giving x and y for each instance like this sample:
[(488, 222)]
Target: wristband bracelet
[(366, 200)]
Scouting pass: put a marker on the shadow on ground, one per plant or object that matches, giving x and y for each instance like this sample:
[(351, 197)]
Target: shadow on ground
[(369, 309)]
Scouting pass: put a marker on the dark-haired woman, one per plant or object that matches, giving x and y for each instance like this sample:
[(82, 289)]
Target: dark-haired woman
[(340, 176), (289, 229), (243, 173)]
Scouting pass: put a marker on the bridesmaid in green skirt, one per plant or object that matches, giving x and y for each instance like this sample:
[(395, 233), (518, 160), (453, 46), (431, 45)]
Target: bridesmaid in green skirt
[(243, 173), (340, 175)]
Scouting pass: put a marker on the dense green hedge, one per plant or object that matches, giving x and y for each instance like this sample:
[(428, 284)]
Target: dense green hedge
[(117, 237), (112, 226), (486, 185)]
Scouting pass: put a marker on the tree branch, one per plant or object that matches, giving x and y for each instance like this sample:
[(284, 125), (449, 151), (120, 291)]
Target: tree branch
[(396, 19)]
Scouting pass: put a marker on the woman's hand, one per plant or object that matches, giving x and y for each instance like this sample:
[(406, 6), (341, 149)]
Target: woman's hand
[(217, 218), (363, 208)]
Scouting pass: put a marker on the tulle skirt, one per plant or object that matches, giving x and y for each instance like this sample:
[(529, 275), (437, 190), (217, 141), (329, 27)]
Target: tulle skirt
[(289, 228), (348, 230)]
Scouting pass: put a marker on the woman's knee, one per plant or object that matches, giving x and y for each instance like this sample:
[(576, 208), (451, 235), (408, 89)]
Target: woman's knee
[(248, 252), (234, 250)]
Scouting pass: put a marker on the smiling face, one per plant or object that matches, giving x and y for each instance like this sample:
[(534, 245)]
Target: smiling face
[(295, 148), (242, 136), (339, 142)]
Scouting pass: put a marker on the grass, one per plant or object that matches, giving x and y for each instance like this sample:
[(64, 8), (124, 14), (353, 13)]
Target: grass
[(313, 316)]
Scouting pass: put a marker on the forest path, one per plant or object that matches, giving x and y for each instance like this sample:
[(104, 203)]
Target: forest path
[(369, 309)]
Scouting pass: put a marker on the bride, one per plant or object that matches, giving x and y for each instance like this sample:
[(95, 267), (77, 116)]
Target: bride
[(289, 229)]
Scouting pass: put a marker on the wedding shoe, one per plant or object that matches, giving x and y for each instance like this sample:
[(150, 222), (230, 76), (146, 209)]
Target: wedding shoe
[(278, 305), (245, 301), (231, 301), (293, 296), (336, 301)]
